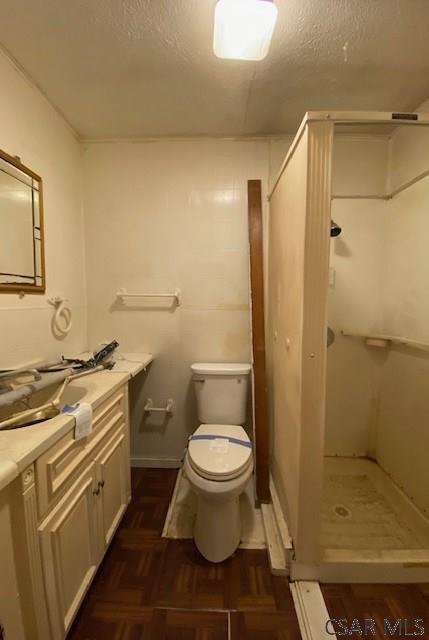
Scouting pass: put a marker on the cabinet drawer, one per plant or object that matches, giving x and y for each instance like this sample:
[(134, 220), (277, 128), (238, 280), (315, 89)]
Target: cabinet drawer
[(56, 469)]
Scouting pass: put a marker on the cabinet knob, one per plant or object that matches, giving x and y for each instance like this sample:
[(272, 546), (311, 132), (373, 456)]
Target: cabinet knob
[(100, 485)]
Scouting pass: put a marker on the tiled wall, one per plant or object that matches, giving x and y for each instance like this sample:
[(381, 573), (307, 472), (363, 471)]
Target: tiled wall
[(161, 215)]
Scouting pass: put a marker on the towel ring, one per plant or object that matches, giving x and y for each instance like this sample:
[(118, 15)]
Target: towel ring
[(62, 320)]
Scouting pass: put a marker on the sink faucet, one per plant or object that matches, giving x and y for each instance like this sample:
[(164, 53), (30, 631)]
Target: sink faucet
[(16, 373)]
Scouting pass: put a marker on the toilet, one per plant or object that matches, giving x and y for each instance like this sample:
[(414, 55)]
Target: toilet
[(219, 461)]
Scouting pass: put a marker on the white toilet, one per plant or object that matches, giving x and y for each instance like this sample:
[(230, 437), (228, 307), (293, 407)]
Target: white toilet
[(219, 460)]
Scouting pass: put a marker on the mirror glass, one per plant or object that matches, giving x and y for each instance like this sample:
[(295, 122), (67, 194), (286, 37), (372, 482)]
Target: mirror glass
[(21, 228)]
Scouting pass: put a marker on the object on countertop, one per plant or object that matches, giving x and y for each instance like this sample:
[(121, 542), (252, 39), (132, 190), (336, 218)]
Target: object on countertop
[(83, 417)]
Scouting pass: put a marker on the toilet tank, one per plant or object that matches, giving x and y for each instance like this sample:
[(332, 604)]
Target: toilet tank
[(221, 392)]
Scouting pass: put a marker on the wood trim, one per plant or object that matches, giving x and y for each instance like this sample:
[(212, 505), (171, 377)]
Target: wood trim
[(311, 611), (29, 502), (258, 341), (140, 462), (20, 287), (18, 165), (314, 326), (370, 117), (126, 406)]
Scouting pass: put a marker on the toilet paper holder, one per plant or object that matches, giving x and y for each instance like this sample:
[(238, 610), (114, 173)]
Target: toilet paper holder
[(150, 408)]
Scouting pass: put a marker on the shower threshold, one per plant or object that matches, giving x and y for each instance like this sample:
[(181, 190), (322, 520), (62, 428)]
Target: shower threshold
[(371, 531)]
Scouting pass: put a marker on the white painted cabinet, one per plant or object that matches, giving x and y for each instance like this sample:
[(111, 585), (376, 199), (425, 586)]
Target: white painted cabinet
[(72, 500)]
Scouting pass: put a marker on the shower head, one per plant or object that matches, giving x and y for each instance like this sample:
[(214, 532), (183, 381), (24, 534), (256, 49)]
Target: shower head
[(335, 229)]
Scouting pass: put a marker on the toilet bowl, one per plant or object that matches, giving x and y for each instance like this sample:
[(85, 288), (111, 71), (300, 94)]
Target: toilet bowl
[(218, 465)]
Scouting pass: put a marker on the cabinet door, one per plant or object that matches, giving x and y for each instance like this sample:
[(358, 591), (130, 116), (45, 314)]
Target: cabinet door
[(68, 538), (112, 486)]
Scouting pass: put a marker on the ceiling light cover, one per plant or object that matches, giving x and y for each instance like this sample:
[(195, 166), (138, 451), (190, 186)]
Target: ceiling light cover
[(243, 28)]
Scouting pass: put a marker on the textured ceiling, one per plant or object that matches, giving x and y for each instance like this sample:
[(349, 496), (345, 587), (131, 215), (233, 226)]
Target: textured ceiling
[(135, 68)]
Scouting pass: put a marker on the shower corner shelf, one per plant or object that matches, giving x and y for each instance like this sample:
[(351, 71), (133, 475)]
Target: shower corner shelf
[(382, 340)]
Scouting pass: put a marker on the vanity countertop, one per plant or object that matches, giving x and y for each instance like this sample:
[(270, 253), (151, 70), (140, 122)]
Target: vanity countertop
[(131, 363), (21, 447)]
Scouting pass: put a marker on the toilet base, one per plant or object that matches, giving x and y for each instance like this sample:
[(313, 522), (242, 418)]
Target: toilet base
[(217, 530), (214, 540)]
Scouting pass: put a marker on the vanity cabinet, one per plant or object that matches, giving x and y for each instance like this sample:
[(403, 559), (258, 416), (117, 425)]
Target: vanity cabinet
[(74, 497)]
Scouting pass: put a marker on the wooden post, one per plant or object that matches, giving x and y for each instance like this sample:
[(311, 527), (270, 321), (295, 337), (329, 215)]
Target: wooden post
[(254, 198)]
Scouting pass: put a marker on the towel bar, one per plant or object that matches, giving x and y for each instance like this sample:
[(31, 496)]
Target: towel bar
[(122, 294)]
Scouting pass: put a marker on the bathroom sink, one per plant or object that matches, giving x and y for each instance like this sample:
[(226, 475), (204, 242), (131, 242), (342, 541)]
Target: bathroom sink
[(36, 418), (72, 394)]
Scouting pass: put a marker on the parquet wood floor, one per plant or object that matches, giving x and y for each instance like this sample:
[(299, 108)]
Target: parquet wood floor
[(152, 588), (400, 604)]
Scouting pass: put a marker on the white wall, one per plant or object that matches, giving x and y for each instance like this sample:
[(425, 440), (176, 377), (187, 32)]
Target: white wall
[(408, 155), (360, 164), (278, 148), (161, 215), (354, 304), (33, 130)]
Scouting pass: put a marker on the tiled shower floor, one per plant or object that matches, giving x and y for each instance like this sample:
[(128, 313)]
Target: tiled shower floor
[(358, 514)]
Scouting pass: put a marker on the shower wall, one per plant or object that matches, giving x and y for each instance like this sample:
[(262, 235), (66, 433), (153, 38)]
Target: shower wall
[(359, 169), (402, 443), (378, 398)]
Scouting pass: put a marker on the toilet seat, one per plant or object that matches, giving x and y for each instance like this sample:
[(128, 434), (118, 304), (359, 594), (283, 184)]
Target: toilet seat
[(223, 457)]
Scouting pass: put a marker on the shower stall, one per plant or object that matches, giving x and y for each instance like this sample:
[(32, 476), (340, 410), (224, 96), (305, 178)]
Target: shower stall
[(348, 240)]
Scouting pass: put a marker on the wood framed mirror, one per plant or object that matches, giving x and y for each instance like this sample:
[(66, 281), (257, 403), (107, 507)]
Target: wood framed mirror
[(22, 255)]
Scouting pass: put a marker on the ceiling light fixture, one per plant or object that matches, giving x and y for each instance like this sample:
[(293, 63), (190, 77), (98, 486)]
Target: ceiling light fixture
[(243, 28)]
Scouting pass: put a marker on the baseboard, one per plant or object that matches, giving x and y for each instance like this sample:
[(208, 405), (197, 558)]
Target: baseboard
[(282, 527), (276, 553), (156, 463), (171, 505), (279, 541)]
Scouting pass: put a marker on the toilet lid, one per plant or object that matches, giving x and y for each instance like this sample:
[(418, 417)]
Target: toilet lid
[(219, 451)]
